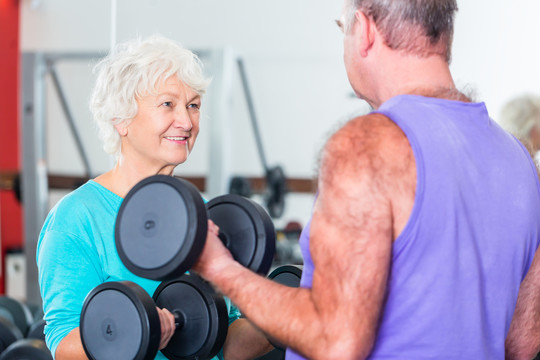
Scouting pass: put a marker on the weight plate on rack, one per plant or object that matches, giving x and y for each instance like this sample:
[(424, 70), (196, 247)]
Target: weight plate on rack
[(288, 275), (17, 312), (27, 349)]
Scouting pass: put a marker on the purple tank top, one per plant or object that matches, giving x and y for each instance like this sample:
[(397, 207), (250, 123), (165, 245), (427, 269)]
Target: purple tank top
[(471, 237)]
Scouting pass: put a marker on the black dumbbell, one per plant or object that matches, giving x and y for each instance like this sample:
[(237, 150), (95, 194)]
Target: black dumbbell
[(288, 275), (15, 320), (27, 349), (119, 320), (161, 228), (35, 331), (15, 323), (9, 333), (17, 312)]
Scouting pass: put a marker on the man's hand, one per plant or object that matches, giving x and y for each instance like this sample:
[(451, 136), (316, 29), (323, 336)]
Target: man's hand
[(215, 256)]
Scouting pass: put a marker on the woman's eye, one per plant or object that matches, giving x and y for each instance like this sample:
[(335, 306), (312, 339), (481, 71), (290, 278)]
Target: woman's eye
[(194, 106), (167, 103)]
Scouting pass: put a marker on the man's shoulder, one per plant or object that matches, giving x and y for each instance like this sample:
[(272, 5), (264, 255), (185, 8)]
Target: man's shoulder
[(370, 149), (372, 135)]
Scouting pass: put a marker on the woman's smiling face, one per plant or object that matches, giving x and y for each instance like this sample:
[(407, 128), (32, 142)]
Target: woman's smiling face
[(163, 132)]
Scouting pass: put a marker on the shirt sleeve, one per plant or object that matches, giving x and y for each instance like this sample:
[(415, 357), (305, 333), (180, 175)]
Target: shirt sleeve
[(68, 269), (234, 313)]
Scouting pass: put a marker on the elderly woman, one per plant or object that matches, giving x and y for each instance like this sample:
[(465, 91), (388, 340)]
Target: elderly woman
[(146, 104), (521, 117)]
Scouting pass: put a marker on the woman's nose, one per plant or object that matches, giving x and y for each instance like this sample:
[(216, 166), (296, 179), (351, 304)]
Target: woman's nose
[(182, 120)]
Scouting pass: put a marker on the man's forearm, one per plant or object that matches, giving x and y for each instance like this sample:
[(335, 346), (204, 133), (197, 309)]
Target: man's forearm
[(523, 338)]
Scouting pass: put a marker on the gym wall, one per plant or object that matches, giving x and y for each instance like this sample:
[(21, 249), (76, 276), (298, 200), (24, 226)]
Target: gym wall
[(293, 55)]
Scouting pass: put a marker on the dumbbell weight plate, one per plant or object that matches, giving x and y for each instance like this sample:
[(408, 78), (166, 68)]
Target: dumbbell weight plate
[(288, 275), (27, 349), (36, 330), (9, 333), (119, 320), (204, 314), (246, 229), (161, 227), (17, 312)]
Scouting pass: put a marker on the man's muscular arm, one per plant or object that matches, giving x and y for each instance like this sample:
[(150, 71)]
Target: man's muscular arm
[(352, 232), (523, 339)]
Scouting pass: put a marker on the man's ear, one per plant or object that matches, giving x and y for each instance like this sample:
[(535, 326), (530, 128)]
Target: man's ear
[(366, 32)]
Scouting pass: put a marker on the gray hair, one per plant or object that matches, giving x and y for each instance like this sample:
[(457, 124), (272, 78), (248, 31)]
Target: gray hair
[(134, 69), (520, 115), (420, 27)]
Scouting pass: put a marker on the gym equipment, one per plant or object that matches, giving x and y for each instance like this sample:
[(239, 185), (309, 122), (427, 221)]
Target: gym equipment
[(27, 349), (202, 317), (16, 321), (36, 330), (276, 184), (288, 275), (9, 334), (161, 228), (119, 320), (16, 312)]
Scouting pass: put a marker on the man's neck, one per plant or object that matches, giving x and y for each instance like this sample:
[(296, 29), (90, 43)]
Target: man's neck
[(401, 74)]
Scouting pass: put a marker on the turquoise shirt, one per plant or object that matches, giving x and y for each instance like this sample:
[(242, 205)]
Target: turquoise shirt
[(76, 252)]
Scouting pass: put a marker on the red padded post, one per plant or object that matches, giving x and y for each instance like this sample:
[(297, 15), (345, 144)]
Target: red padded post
[(11, 227)]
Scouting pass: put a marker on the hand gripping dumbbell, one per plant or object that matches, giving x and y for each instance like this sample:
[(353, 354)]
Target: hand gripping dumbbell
[(161, 228), (119, 320)]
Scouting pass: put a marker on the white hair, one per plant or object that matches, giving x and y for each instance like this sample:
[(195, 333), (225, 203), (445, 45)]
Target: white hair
[(420, 27), (134, 69), (520, 115)]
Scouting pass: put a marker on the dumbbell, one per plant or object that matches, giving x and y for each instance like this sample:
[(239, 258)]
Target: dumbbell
[(161, 228), (288, 275), (119, 320), (27, 349), (16, 321), (35, 331)]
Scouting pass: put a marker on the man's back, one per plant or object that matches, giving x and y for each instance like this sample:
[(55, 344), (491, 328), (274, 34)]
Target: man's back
[(472, 234)]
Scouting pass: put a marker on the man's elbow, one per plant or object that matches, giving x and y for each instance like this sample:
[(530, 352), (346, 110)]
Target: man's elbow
[(345, 348), (520, 350), (521, 354)]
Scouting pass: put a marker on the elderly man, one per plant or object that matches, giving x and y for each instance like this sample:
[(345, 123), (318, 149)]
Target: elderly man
[(427, 217)]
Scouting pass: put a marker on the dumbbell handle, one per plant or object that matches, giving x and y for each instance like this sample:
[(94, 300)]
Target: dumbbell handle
[(179, 319), (224, 239)]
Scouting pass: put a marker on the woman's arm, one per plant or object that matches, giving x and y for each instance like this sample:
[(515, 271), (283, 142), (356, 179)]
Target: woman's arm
[(245, 341), (70, 347)]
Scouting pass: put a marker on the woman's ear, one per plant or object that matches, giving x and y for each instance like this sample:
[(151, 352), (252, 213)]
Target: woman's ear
[(122, 128)]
